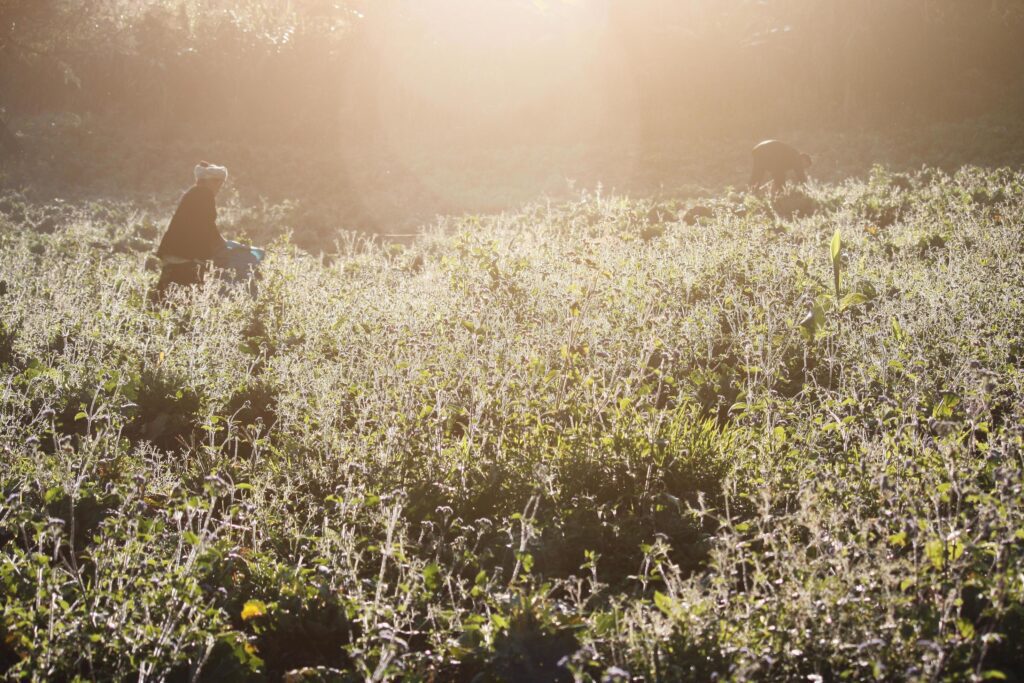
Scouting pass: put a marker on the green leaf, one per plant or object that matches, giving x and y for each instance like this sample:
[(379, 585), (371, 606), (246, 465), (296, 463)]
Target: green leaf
[(852, 299), (813, 321), (934, 551), (51, 494), (941, 553), (479, 584), (945, 407), (432, 576), (837, 246), (668, 606), (779, 434), (965, 628)]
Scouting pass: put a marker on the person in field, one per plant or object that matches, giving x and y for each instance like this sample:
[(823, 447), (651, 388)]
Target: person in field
[(193, 243), (776, 160), (192, 240)]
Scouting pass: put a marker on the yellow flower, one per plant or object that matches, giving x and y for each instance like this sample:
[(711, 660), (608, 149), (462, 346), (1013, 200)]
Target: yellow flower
[(253, 609)]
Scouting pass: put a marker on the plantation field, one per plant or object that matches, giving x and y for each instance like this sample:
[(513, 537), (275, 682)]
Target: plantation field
[(580, 441)]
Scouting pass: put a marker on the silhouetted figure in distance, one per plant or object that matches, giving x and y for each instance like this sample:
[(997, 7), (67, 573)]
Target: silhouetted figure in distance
[(776, 160), (192, 239)]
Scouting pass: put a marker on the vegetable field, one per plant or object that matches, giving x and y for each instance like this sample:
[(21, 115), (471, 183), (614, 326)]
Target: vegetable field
[(580, 441)]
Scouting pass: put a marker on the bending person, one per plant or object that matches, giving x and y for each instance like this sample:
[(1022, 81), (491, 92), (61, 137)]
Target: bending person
[(775, 160), (192, 239)]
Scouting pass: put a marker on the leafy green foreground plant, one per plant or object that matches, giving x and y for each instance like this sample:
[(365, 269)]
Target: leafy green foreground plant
[(579, 442)]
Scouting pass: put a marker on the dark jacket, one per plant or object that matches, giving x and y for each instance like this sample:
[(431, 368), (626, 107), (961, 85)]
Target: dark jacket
[(776, 159), (193, 232)]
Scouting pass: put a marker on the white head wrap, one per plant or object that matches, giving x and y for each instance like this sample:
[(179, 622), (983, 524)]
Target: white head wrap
[(204, 170)]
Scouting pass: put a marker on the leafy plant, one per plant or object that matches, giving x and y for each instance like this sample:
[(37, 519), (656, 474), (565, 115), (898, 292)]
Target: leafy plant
[(552, 450)]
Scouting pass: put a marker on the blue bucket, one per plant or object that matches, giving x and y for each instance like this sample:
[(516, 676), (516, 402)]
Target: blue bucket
[(240, 260)]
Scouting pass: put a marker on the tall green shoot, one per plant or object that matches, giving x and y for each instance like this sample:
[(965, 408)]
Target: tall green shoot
[(836, 255)]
